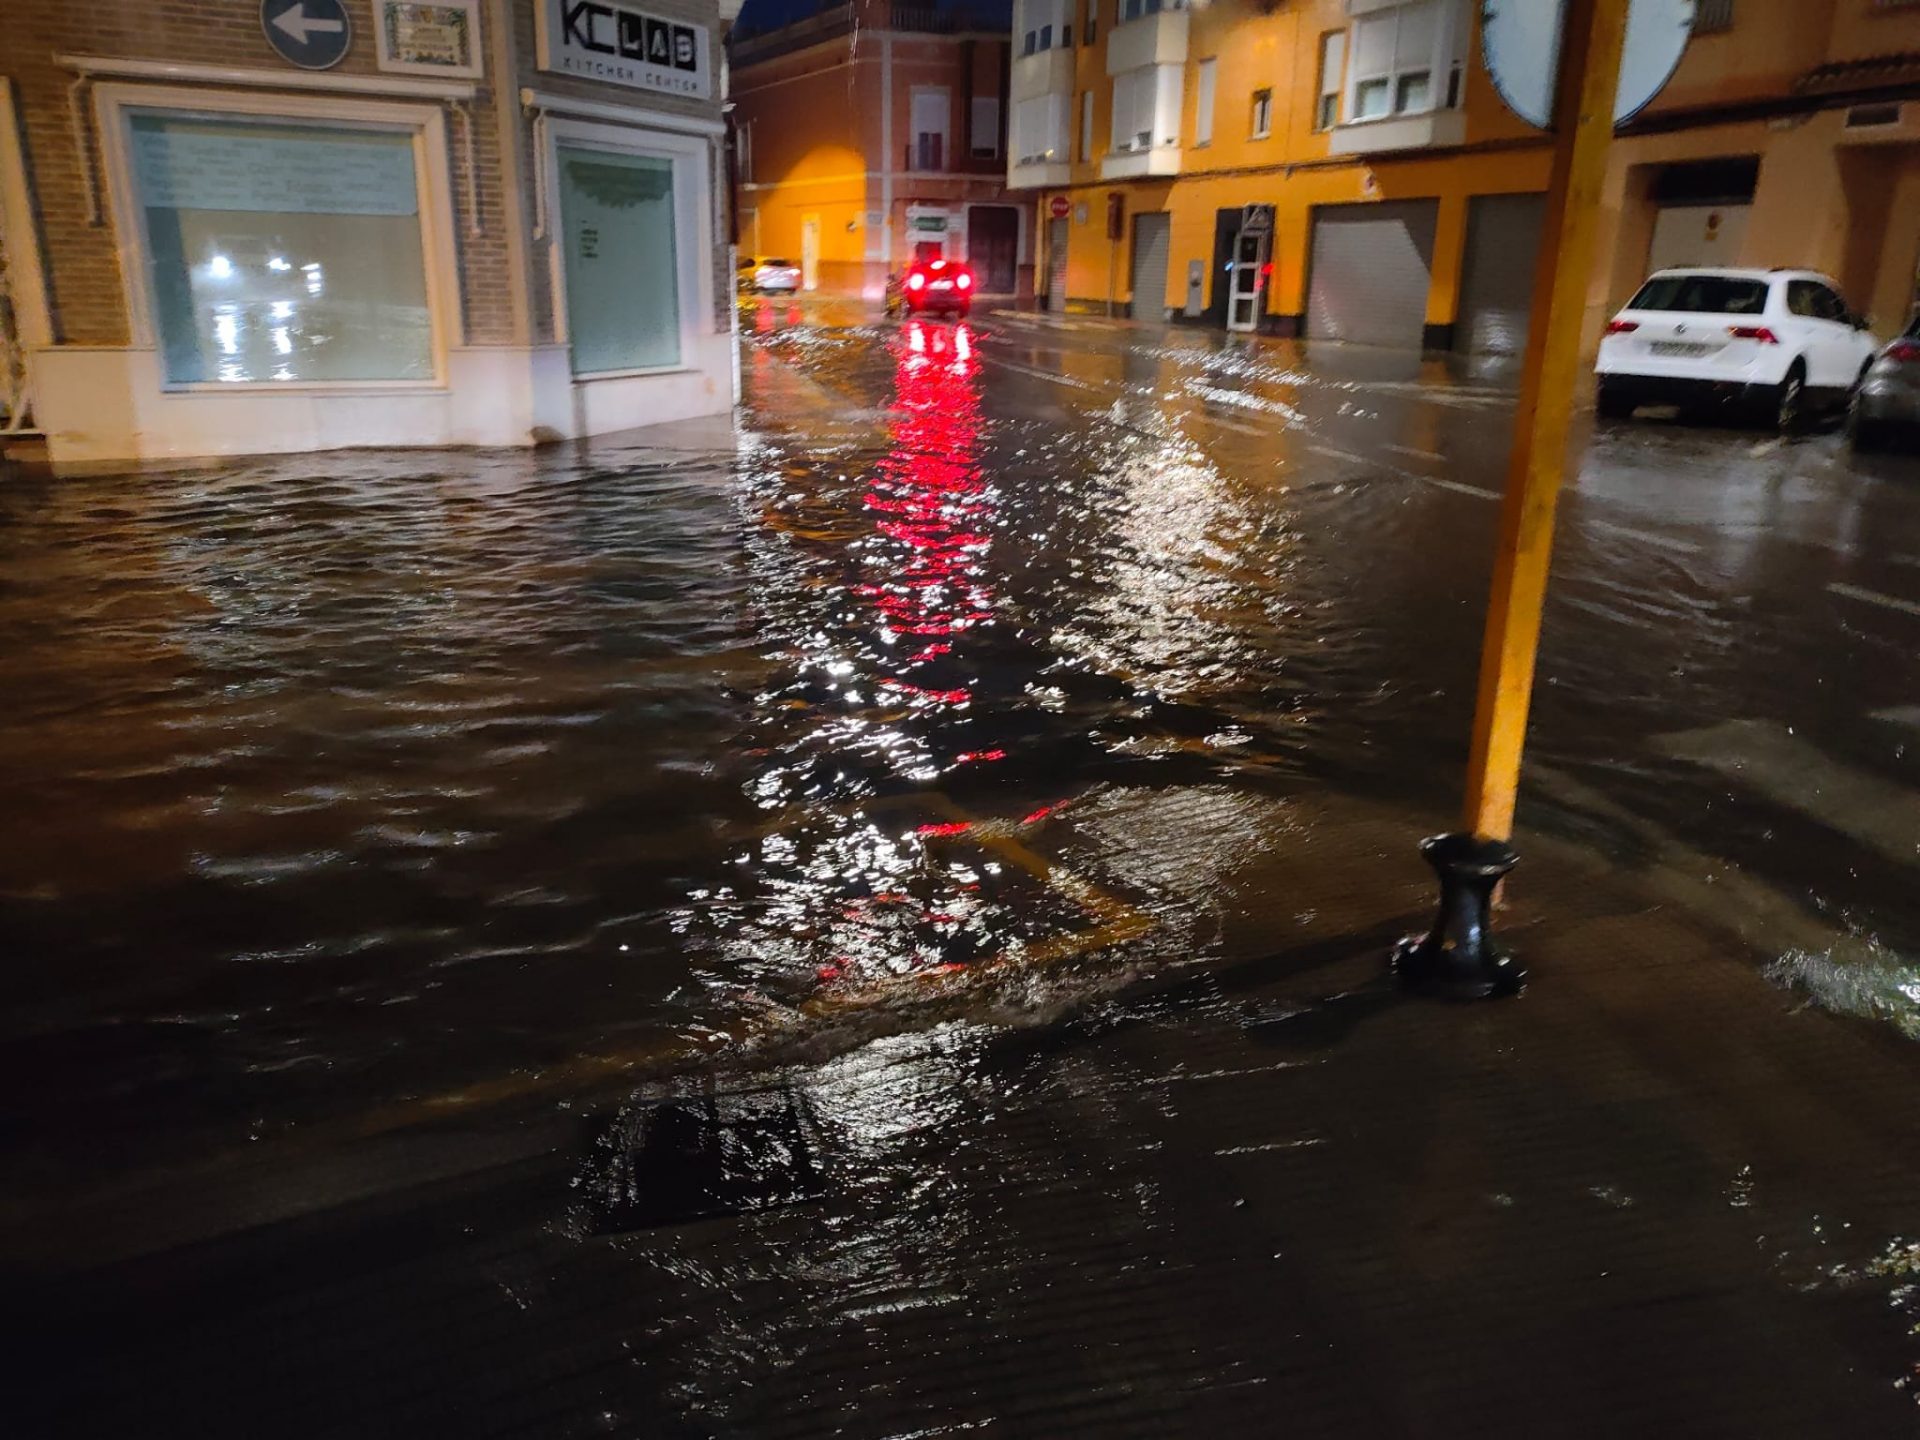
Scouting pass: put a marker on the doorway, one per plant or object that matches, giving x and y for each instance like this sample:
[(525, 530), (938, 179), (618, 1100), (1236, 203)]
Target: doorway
[(810, 252), (1057, 265), (1247, 286), (993, 247), (1149, 275)]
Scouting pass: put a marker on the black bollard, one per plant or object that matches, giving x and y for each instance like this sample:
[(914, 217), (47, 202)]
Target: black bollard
[(1457, 960)]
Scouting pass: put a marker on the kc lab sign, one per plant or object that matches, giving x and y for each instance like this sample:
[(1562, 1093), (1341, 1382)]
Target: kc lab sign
[(623, 46)]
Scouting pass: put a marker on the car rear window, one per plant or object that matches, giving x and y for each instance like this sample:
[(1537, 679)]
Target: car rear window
[(1702, 294)]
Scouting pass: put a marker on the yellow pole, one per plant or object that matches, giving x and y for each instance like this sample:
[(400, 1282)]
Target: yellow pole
[(1589, 75)]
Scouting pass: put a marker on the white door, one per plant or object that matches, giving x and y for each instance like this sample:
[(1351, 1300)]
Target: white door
[(810, 252), (1249, 266), (1688, 235)]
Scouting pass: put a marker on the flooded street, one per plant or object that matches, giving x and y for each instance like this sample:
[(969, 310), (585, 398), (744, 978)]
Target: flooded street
[(352, 777), (983, 671)]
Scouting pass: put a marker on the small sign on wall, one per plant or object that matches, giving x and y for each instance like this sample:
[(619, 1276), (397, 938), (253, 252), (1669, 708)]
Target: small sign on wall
[(438, 39), (624, 46)]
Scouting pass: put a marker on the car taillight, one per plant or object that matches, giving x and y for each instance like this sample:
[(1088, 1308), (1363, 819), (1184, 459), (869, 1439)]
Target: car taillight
[(1753, 332), (963, 281), (1907, 352), (1622, 327), (916, 281)]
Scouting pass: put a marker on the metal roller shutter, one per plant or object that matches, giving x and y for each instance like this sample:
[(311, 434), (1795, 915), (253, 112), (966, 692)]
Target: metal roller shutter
[(1370, 269), (1496, 278), (1056, 265), (1150, 267)]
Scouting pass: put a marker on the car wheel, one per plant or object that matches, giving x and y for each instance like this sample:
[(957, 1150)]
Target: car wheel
[(1611, 404), (1790, 401)]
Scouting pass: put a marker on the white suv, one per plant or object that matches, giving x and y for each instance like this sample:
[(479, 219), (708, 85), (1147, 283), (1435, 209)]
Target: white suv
[(1781, 341)]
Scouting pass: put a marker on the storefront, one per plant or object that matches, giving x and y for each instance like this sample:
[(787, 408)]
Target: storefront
[(377, 253)]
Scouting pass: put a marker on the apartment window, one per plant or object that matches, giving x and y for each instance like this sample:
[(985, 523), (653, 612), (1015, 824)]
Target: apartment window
[(743, 152), (280, 251), (1134, 9), (1262, 114), (932, 113), (1203, 103), (1041, 22), (1333, 67), (1040, 130), (1393, 53), (1712, 16), (1086, 30), (984, 132), (1086, 126)]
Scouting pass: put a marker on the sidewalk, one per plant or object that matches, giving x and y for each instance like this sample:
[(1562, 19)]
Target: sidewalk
[(1271, 1197)]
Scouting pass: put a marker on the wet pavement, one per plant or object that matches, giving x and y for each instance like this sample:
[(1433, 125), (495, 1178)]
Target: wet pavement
[(1008, 724)]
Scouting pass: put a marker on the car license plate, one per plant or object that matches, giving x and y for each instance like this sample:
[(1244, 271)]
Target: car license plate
[(1679, 348), (943, 285)]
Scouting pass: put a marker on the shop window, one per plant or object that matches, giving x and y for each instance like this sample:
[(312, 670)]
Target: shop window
[(281, 252), (622, 264), (1262, 114)]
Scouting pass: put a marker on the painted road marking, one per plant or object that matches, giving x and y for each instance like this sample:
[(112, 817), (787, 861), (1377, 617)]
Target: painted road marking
[(1645, 537), (1908, 715), (1799, 775), (1478, 492), (1409, 450), (1460, 485), (1305, 1144), (1874, 597)]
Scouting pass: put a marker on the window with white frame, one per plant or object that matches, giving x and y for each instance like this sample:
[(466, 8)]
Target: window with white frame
[(1333, 65), (1086, 126), (1203, 84), (1146, 107), (1133, 9), (1046, 24), (1040, 130), (983, 131), (743, 151), (932, 114), (1262, 114), (281, 251), (1391, 66)]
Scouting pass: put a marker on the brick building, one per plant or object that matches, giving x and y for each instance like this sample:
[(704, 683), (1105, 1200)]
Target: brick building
[(870, 133), (231, 227)]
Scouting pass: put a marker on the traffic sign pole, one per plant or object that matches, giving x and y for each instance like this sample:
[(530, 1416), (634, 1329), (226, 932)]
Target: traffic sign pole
[(1458, 958)]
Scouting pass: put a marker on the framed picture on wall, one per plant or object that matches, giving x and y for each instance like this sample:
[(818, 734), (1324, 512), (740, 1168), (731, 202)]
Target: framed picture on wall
[(442, 38)]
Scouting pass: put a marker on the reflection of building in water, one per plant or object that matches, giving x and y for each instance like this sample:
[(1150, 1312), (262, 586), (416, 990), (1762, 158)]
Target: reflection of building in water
[(272, 258)]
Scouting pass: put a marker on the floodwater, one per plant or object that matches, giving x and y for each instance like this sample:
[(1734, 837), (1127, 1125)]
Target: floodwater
[(339, 779)]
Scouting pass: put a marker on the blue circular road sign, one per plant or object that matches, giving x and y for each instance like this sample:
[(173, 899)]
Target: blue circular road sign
[(313, 34)]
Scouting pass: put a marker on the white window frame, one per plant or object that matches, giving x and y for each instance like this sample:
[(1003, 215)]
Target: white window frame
[(114, 105), (1438, 66), (692, 229), (1086, 127), (1205, 83), (1259, 126), (1333, 79), (915, 95)]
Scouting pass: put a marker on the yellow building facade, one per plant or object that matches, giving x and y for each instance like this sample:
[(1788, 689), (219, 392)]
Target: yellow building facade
[(1345, 169)]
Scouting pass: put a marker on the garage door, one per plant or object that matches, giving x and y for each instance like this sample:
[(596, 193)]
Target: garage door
[(1370, 268), (1150, 267), (1056, 264), (1496, 278)]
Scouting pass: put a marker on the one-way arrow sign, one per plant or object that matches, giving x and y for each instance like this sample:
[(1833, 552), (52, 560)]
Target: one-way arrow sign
[(313, 34)]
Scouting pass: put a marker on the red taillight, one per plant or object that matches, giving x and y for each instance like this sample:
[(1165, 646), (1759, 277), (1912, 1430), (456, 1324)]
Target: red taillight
[(1907, 352), (1622, 327), (963, 281), (916, 281), (1753, 332)]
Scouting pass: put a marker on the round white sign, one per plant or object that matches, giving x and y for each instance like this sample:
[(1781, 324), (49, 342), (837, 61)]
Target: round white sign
[(1520, 40)]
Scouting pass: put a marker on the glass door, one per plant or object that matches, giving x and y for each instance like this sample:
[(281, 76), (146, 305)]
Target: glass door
[(1249, 280)]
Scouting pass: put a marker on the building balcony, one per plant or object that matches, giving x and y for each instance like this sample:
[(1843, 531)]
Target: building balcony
[(1138, 163), (1048, 72), (1039, 175), (1428, 130), (1157, 39)]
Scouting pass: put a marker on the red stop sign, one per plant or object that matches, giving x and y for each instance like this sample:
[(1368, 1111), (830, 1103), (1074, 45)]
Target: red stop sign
[(1058, 207)]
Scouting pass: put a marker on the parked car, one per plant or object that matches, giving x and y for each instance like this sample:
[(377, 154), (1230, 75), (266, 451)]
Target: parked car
[(743, 272), (938, 287), (776, 277), (1780, 342), (1887, 404)]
